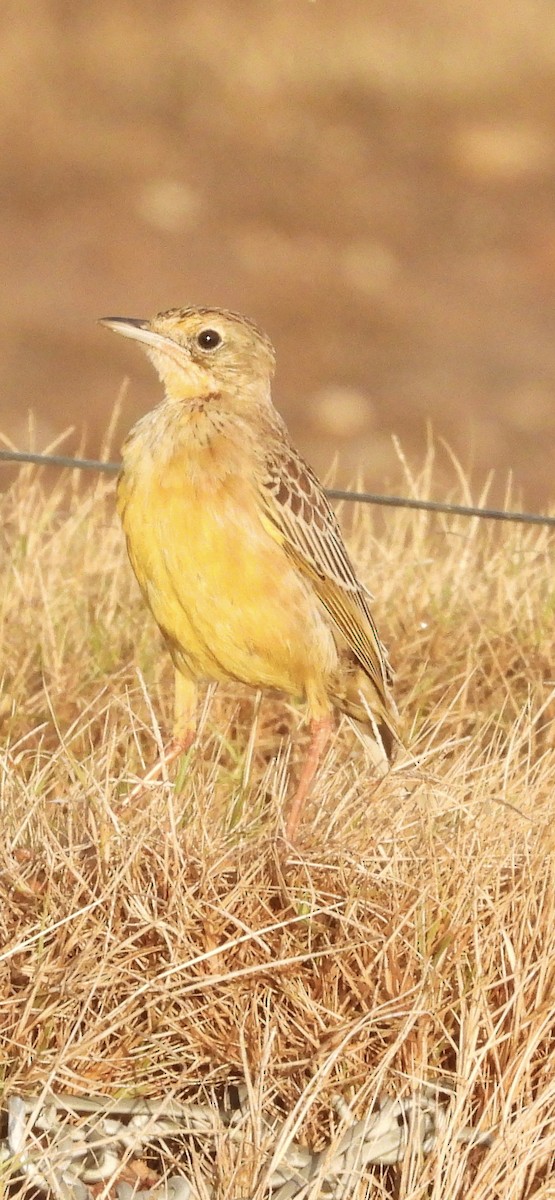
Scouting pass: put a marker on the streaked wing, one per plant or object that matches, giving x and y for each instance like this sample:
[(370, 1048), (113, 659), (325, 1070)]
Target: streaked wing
[(298, 514)]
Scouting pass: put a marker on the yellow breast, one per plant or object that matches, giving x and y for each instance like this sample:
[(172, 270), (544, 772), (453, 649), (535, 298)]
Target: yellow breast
[(222, 590)]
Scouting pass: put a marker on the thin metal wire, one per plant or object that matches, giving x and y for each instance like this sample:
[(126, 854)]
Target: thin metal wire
[(458, 510), (439, 506), (58, 460)]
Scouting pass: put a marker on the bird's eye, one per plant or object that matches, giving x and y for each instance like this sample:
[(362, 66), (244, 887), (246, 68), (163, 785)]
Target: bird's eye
[(208, 339)]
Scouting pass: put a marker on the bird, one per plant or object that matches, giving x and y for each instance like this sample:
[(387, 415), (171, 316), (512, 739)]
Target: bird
[(235, 547)]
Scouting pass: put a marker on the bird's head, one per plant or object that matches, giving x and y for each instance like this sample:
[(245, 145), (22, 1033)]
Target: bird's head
[(201, 351)]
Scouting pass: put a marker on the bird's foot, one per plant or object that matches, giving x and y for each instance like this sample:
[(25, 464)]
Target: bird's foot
[(320, 732), (174, 750)]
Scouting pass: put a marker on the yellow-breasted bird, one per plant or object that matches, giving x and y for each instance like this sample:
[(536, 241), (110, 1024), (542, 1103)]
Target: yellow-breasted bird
[(235, 547)]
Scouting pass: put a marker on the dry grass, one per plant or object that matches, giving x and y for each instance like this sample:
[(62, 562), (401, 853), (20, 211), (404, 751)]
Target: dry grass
[(174, 946)]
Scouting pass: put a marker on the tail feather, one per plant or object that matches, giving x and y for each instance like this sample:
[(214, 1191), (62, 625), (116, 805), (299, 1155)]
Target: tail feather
[(376, 715), (390, 741)]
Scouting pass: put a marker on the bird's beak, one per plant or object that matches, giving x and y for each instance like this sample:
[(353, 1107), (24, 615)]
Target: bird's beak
[(139, 330)]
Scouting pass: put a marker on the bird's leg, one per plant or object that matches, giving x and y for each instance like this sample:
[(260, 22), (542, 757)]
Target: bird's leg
[(184, 731), (184, 714), (320, 731)]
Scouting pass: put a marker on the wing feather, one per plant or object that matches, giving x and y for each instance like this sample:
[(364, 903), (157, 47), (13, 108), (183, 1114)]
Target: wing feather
[(297, 513)]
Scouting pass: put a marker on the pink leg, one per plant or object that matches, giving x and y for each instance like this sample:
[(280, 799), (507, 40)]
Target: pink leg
[(320, 731), (173, 750), (184, 732)]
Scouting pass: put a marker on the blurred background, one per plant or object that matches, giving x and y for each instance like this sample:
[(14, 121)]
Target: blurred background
[(373, 181)]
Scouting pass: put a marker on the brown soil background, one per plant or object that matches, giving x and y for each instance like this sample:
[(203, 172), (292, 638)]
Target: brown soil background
[(372, 182)]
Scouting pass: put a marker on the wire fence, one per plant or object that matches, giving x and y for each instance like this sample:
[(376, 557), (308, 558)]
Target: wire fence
[(435, 506)]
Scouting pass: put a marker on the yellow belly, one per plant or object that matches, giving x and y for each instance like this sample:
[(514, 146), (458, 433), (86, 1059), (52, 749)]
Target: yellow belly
[(223, 592)]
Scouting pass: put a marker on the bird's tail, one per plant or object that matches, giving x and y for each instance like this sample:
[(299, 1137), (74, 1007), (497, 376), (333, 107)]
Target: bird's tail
[(373, 713)]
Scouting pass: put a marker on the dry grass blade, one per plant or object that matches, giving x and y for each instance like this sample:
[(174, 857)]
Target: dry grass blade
[(172, 949)]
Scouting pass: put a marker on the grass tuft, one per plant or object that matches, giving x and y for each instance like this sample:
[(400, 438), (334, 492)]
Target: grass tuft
[(174, 946)]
